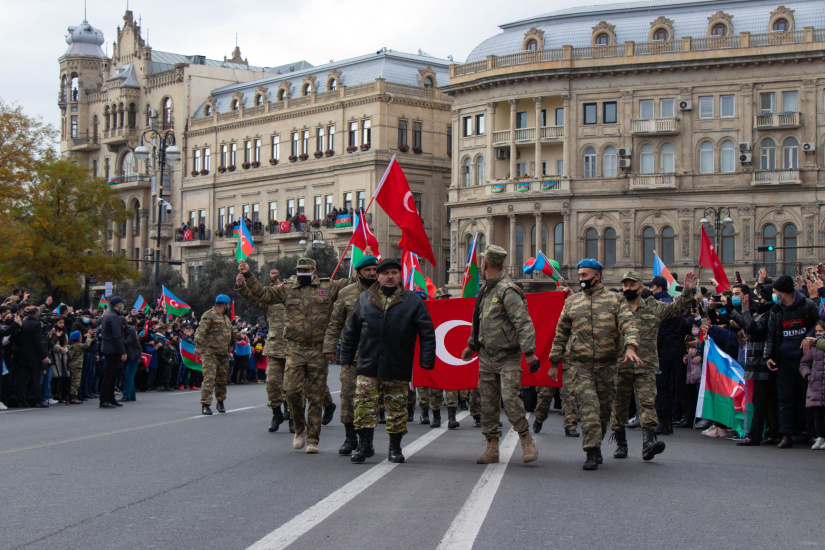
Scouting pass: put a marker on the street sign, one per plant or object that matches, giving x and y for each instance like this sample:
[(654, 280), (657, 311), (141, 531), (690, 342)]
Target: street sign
[(108, 290)]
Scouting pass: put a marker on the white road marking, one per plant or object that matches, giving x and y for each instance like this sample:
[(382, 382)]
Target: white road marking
[(290, 531), (465, 527)]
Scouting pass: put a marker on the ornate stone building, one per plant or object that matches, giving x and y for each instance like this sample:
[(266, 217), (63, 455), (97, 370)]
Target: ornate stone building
[(612, 128)]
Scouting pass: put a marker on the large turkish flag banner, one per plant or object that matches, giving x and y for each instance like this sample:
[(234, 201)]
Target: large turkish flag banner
[(453, 320)]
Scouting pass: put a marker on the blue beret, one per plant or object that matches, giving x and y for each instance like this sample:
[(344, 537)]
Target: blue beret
[(75, 335), (222, 299), (591, 263)]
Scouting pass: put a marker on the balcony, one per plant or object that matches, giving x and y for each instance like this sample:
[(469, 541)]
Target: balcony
[(87, 141), (522, 135), (525, 134), (181, 238), (120, 136), (663, 126), (552, 132), (132, 181), (654, 181), (776, 177), (768, 121), (501, 138), (509, 188)]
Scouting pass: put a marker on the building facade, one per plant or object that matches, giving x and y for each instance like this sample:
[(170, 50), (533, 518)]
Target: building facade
[(613, 129)]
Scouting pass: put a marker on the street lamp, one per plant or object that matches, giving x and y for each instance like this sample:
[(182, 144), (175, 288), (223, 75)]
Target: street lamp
[(718, 221), (316, 236), (169, 154)]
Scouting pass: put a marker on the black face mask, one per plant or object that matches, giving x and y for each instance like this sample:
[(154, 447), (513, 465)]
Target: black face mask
[(367, 282), (587, 284), (631, 294), (304, 278), (389, 290)]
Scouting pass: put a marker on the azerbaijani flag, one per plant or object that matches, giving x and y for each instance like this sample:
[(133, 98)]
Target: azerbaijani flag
[(187, 354), (723, 392), (362, 237), (245, 246), (343, 220), (141, 305), (469, 285), (104, 303), (413, 276), (659, 268), (112, 180), (172, 305), (550, 268)]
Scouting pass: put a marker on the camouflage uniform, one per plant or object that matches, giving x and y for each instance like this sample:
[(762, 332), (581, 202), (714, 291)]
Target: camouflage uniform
[(591, 359), (215, 337), (75, 363), (504, 332), (367, 391), (648, 315), (307, 313), (275, 350), (545, 398)]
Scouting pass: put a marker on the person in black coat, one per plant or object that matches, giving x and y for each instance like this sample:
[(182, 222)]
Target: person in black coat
[(113, 348), (383, 329), (32, 360)]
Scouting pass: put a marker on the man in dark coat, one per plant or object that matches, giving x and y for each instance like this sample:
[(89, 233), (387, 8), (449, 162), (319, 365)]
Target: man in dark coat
[(383, 329), (32, 360), (113, 349)]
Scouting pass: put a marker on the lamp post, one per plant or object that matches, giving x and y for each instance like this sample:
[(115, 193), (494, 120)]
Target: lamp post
[(168, 153), (316, 236), (718, 221)]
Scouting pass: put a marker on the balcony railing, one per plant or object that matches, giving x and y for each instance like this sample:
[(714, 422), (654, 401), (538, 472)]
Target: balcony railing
[(590, 52), (775, 177), (528, 134), (134, 178), (657, 47), (777, 120), (522, 185), (181, 236), (525, 134), (653, 126), (778, 268), (87, 140), (715, 43), (552, 132), (654, 181), (501, 137)]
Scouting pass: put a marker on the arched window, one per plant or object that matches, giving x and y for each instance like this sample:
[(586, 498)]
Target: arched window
[(667, 245), (235, 105), (728, 244), (106, 118), (603, 40), (467, 172), (646, 164), (281, 94), (781, 25), (136, 223), (122, 115), (728, 156), (668, 159), (789, 240), (306, 90), (706, 158), (167, 110), (790, 153), (148, 113), (519, 259), (533, 243), (558, 243), (719, 29), (428, 82), (332, 84), (648, 244), (480, 170), (660, 35), (127, 166), (259, 99), (532, 45), (482, 243), (95, 128), (590, 162), (610, 160), (591, 244), (767, 154), (132, 115), (207, 111), (609, 246), (769, 239)]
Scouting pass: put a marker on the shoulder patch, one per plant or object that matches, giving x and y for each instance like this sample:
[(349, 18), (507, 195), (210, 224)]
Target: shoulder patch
[(495, 299), (322, 293)]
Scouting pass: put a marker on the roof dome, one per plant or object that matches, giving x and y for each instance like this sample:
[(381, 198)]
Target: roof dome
[(85, 40)]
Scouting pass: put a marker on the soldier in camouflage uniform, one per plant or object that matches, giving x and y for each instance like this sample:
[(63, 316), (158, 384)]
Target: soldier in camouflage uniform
[(571, 413), (502, 331), (308, 301), (214, 339), (595, 327), (341, 313), (75, 362), (648, 314)]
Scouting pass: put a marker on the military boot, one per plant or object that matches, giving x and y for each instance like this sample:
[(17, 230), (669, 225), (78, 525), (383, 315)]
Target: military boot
[(206, 410), (287, 416), (462, 404), (452, 423), (436, 423), (425, 415), (664, 426), (537, 426), (590, 463), (220, 407), (490, 454), (365, 449), (621, 444), (277, 419), (382, 417), (394, 454), (650, 445), (329, 411), (410, 413), (528, 447), (291, 426), (351, 442), (599, 457), (477, 421)]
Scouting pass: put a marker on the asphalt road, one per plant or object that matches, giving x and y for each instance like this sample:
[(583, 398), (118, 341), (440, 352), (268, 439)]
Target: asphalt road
[(157, 474)]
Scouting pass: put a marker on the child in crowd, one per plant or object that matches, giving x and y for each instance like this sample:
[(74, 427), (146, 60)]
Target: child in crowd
[(812, 368), (77, 348)]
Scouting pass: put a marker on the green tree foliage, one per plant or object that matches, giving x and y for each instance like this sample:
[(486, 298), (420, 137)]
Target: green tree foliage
[(23, 142)]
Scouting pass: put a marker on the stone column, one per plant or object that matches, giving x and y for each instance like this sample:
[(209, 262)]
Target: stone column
[(490, 165), (115, 238), (539, 243), (569, 140), (513, 149), (490, 229), (537, 100), (144, 230), (456, 156), (130, 238), (511, 253)]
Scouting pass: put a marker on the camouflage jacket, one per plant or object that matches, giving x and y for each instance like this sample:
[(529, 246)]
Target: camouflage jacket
[(341, 313), (648, 315), (595, 326), (76, 351), (215, 334), (504, 325), (307, 308), (275, 313)]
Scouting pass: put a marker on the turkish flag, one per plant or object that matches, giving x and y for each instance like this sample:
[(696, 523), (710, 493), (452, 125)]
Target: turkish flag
[(708, 258), (395, 197), (453, 320), (284, 227), (187, 235), (363, 236)]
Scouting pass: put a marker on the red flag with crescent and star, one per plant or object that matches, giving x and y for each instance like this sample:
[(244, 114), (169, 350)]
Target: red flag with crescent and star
[(453, 321), (395, 197), (708, 258)]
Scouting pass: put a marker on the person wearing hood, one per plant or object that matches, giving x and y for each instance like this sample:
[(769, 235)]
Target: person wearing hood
[(812, 368), (792, 321)]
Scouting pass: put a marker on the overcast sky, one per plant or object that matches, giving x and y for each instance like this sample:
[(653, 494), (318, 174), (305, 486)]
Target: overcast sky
[(270, 33)]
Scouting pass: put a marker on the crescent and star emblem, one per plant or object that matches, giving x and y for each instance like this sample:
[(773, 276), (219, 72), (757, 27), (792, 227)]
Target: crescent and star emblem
[(441, 350), (406, 202)]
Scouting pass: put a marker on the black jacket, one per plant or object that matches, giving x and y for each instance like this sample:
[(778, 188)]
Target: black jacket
[(385, 338), (756, 327), (804, 308), (32, 346), (671, 337), (111, 334)]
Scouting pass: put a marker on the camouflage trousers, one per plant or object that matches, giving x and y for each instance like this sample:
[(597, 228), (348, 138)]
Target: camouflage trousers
[(274, 381), (347, 378), (305, 380), (594, 387), (367, 393), (498, 381), (644, 383), (568, 401), (75, 369), (215, 372)]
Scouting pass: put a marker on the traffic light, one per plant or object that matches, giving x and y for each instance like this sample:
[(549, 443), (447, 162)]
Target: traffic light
[(769, 248)]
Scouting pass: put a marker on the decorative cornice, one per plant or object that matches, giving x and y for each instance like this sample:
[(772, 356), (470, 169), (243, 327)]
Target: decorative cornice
[(720, 16), (605, 26), (661, 21)]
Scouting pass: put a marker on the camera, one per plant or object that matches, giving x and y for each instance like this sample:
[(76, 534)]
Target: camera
[(168, 208)]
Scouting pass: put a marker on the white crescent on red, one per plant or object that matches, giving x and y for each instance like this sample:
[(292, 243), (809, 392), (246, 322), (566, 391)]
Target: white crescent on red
[(441, 349), (407, 198)]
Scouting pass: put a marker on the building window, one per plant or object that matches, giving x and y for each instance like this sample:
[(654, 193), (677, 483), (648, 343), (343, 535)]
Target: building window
[(646, 158), (789, 240), (781, 25), (467, 126), (668, 245), (666, 108), (450, 139), (301, 206), (305, 142), (519, 259), (558, 243), (167, 111), (207, 158), (202, 216), (256, 212), (646, 108), (767, 102), (706, 106), (660, 35), (331, 138), (197, 160), (224, 158), (480, 170), (245, 212), (281, 94), (235, 104), (296, 140), (318, 208), (480, 125), (790, 101), (769, 239), (416, 135), (532, 45), (590, 162), (534, 245), (767, 154), (727, 106), (332, 85), (668, 159), (306, 90), (361, 199), (347, 201), (402, 132), (221, 218), (233, 149), (290, 208), (94, 168), (521, 120), (609, 112), (560, 116), (590, 113), (273, 211), (74, 127), (319, 139), (728, 156), (610, 165), (706, 158), (521, 169), (259, 100), (790, 153), (719, 29), (603, 40), (591, 244), (417, 202), (256, 150), (728, 245), (610, 246), (366, 133), (247, 151), (207, 111), (428, 82), (467, 172), (276, 148), (648, 244), (230, 214), (327, 204), (353, 134)]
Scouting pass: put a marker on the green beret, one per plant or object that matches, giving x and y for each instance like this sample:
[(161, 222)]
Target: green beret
[(366, 261)]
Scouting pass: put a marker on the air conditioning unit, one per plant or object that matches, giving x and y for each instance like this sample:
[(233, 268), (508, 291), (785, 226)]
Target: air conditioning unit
[(153, 113), (745, 158), (625, 152), (147, 251), (744, 146), (624, 163), (809, 147), (501, 154), (685, 105)]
